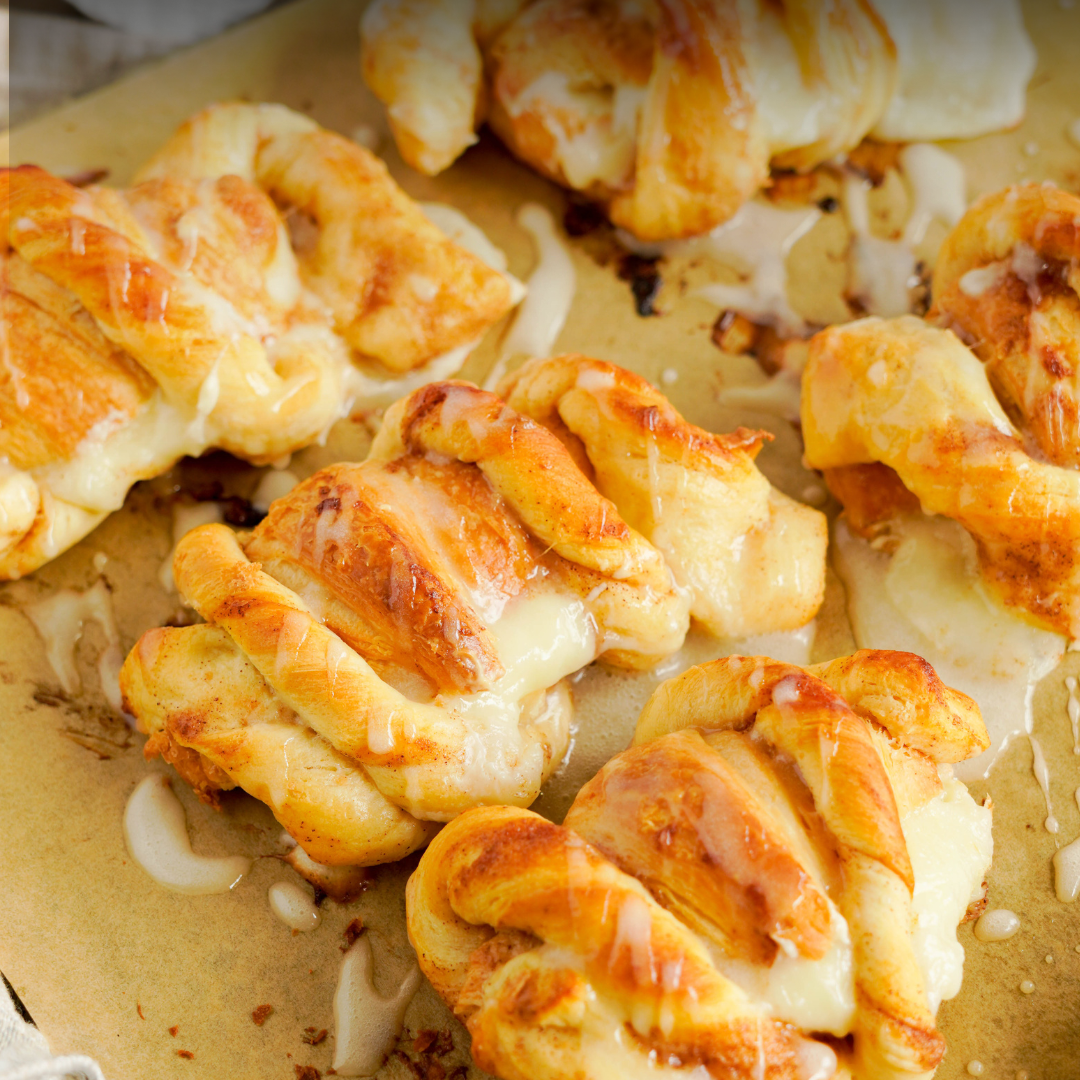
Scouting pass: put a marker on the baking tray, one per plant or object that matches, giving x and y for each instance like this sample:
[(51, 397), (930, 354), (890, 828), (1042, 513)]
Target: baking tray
[(105, 960)]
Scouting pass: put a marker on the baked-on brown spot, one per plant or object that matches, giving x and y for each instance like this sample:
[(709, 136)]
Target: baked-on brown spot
[(307, 1072), (174, 1030), (187, 1054), (352, 932), (313, 1036), (260, 1014)]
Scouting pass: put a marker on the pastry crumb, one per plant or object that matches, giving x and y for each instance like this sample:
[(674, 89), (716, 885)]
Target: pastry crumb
[(260, 1014)]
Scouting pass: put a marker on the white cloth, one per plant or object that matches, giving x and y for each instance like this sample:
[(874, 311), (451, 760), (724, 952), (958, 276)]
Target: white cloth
[(178, 23), (25, 1054)]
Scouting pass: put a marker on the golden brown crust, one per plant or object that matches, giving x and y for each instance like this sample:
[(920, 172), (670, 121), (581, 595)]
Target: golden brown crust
[(698, 496), (1020, 311), (912, 397)]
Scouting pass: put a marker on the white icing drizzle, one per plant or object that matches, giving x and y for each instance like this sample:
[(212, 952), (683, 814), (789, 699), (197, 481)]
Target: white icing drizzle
[(881, 272), (1073, 708), (1067, 869), (756, 242), (938, 189), (1042, 775), (185, 518), (274, 484), (60, 621), (293, 906), (157, 838), (366, 1025), (997, 925), (928, 598), (551, 288)]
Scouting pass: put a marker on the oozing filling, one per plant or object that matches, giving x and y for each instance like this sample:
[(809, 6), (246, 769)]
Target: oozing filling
[(927, 597)]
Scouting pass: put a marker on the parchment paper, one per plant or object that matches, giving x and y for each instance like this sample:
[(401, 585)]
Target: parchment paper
[(106, 961)]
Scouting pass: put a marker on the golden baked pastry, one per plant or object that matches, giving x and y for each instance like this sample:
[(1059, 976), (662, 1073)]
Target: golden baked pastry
[(670, 113), (913, 398), (752, 559), (732, 896), (1007, 282), (187, 319), (403, 627)]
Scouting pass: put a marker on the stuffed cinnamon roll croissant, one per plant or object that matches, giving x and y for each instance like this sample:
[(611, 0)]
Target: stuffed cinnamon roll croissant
[(241, 295), (902, 417), (390, 645), (766, 885), (671, 112)]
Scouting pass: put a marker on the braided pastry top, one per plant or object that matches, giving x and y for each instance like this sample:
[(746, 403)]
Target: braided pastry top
[(692, 912), (186, 317), (405, 625), (752, 559), (913, 398)]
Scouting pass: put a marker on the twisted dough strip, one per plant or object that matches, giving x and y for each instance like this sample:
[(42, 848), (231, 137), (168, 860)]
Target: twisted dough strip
[(662, 111), (621, 575), (400, 292), (562, 965), (395, 573), (801, 716), (913, 398), (1007, 281), (753, 559)]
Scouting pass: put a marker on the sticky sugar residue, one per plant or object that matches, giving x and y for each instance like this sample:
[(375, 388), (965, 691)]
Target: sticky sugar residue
[(293, 906), (60, 621), (1067, 869), (551, 287), (1042, 776), (157, 838), (997, 925), (366, 1024)]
